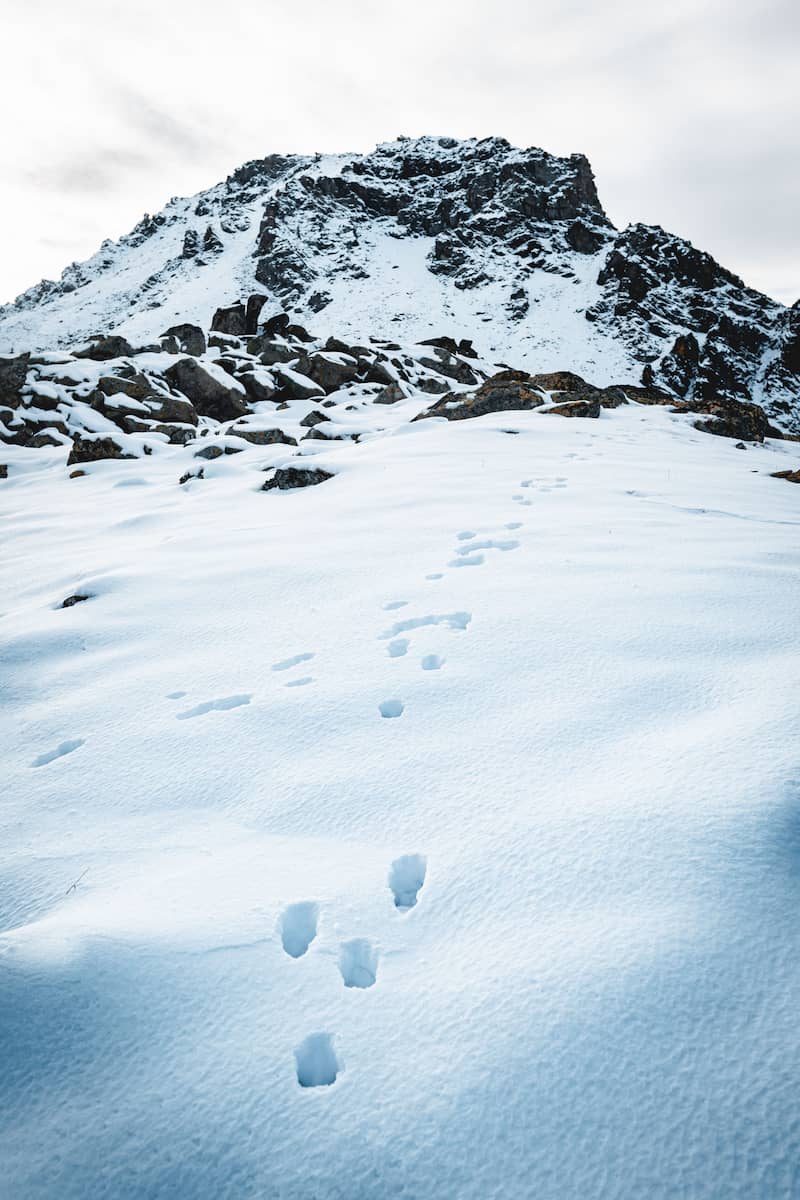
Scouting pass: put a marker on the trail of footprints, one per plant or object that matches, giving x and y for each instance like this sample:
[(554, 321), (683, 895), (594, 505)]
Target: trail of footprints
[(316, 1060), (470, 551)]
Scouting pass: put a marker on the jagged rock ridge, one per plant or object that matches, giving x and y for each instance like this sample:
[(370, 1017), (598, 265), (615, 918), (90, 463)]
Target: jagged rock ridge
[(508, 248)]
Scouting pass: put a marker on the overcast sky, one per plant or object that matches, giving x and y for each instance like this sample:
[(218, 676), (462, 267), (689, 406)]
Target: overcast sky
[(688, 111)]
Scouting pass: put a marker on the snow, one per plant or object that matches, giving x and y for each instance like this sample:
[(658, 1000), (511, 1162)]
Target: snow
[(534, 936)]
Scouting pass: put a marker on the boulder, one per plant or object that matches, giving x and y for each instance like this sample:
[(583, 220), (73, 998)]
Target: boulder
[(315, 417), (13, 373), (263, 437), (295, 385), (330, 370), (583, 407), (390, 394), (231, 320), (102, 348), (258, 384), (562, 381), (190, 338), (255, 303), (739, 419), (508, 391), (790, 476), (210, 397), (286, 478), (94, 449)]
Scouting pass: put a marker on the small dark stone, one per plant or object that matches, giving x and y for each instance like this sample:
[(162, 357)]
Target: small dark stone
[(78, 598), (315, 417), (192, 475)]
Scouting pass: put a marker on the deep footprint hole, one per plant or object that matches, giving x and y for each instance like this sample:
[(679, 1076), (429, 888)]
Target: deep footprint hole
[(317, 1062), (406, 877), (358, 963), (299, 927)]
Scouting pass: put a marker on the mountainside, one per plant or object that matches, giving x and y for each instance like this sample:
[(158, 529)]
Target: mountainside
[(508, 248)]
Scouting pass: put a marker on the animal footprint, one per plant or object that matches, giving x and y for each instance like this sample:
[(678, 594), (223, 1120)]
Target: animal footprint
[(406, 877), (358, 963), (175, 695), (465, 535), (391, 708), (514, 525), (431, 662), (294, 661), (51, 755), (456, 621), (301, 682), (317, 1062), (435, 575), (394, 604), (221, 705), (398, 647), (298, 927), (474, 561)]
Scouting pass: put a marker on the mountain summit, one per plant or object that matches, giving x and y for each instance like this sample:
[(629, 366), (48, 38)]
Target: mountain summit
[(510, 248)]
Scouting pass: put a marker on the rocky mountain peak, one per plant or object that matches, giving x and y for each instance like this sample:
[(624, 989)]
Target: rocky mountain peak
[(509, 248)]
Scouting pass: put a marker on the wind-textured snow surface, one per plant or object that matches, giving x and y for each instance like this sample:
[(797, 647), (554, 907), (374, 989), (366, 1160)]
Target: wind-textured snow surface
[(433, 832)]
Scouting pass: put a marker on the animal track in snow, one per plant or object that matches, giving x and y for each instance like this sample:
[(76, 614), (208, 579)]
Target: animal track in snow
[(398, 647), (456, 621), (294, 661), (51, 755), (175, 695), (317, 1063), (514, 525), (431, 662), (465, 535), (391, 708), (298, 927), (221, 705), (489, 544), (358, 963), (474, 561), (394, 604), (301, 682), (406, 877), (434, 575)]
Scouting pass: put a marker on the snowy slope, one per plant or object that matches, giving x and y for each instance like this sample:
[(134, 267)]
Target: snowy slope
[(590, 628)]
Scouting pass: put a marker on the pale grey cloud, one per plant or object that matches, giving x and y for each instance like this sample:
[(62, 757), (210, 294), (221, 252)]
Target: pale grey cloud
[(687, 111)]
